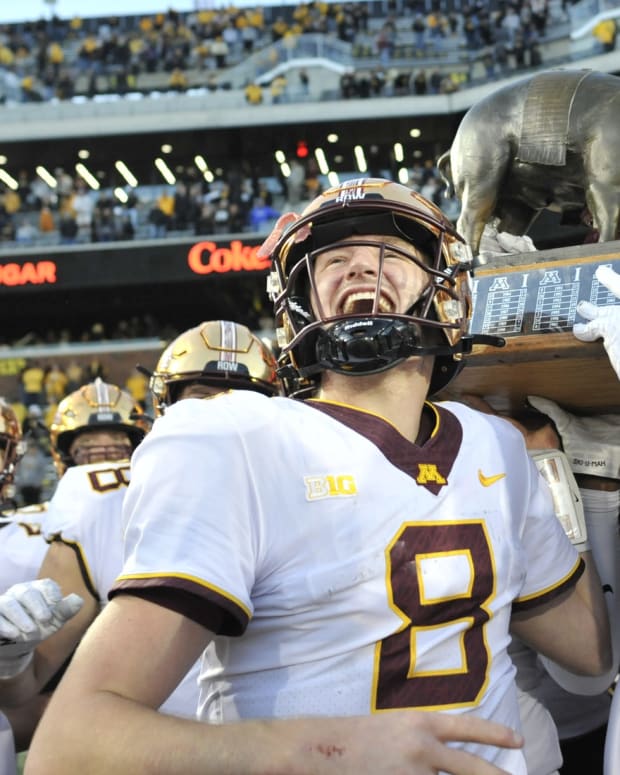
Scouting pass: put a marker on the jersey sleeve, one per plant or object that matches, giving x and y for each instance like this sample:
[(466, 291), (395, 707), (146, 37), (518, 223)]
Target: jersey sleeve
[(192, 524), (86, 516), (553, 563)]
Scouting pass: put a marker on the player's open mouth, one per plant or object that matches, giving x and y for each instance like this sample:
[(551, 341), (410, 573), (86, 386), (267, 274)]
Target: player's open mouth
[(362, 302)]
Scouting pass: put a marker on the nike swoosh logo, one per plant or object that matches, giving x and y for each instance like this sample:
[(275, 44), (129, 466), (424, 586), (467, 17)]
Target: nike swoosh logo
[(487, 481)]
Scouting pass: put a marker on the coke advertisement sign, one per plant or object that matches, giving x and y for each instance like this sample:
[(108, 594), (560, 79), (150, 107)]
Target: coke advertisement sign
[(207, 257), (118, 265)]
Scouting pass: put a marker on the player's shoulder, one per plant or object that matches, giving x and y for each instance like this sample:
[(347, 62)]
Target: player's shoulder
[(89, 481), (475, 421), (224, 412)]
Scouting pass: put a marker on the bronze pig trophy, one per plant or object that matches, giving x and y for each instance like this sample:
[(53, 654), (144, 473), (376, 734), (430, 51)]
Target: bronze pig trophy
[(551, 140)]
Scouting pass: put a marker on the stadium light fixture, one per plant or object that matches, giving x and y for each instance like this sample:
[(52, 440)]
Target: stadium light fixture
[(333, 178), (200, 162), (165, 171), (285, 169), (360, 158), (403, 176), (321, 160), (126, 173), (121, 195), (87, 175), (399, 153), (280, 157), (203, 167), (9, 180), (46, 176)]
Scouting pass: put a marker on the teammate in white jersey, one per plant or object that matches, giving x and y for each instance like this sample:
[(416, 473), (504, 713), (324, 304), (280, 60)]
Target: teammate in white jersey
[(350, 565), (10, 446), (93, 434), (87, 544), (22, 548)]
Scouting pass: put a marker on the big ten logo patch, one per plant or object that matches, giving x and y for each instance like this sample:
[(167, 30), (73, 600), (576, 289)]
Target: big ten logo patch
[(329, 486)]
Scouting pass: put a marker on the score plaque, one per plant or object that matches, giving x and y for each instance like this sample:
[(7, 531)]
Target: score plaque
[(530, 300)]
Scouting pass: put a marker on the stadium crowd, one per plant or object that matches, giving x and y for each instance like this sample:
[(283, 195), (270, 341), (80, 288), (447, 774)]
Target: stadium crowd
[(59, 58), (51, 59)]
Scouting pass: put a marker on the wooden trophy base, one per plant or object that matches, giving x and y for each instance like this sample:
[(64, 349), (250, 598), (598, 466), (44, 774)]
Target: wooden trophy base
[(530, 299)]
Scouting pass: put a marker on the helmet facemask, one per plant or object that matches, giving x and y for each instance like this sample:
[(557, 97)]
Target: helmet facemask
[(372, 337)]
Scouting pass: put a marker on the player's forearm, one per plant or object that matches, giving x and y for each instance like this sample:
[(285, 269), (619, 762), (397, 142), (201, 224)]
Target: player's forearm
[(596, 626), (104, 733)]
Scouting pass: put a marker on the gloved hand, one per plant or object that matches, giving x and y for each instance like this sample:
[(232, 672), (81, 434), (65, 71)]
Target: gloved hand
[(591, 444), (604, 322), (494, 243), (29, 613)]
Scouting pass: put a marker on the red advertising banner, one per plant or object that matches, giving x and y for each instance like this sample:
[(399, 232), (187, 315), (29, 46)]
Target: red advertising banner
[(124, 264)]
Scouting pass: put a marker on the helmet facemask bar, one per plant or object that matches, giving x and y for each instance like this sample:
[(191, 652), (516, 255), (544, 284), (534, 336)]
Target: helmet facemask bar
[(102, 453), (11, 451)]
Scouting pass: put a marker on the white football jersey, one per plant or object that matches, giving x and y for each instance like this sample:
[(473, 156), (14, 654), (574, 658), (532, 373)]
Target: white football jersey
[(365, 573), (86, 512), (22, 544)]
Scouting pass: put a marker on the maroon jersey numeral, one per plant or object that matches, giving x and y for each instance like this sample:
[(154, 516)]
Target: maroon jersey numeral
[(107, 479), (400, 682)]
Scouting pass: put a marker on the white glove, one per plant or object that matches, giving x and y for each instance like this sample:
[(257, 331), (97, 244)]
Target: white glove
[(29, 613), (591, 444), (604, 322), (495, 243)]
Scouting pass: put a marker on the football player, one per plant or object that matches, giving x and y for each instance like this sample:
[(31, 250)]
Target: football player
[(93, 435), (22, 549), (349, 565), (580, 706), (10, 446), (585, 486)]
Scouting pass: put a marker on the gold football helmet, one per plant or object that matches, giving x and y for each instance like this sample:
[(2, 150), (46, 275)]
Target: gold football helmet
[(11, 445), (218, 353), (371, 341), (95, 406)]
